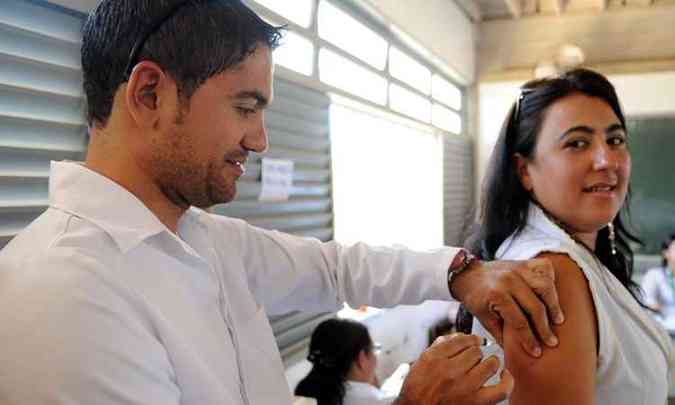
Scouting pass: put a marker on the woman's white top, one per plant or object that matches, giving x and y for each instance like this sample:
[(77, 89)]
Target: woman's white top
[(636, 358), (359, 393)]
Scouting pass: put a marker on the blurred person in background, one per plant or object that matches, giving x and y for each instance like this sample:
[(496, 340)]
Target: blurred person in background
[(344, 363), (658, 285), (344, 360)]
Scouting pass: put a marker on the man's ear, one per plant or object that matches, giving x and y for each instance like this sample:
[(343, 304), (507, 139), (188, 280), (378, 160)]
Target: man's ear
[(522, 166), (148, 90)]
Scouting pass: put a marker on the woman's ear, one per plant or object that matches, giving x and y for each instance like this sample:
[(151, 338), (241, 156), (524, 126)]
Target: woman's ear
[(522, 166), (362, 360)]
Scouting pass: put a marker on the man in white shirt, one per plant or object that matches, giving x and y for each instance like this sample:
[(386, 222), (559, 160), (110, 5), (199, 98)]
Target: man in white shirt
[(125, 292)]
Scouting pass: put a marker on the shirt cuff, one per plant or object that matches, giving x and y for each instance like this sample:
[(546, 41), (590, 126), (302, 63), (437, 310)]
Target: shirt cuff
[(449, 255)]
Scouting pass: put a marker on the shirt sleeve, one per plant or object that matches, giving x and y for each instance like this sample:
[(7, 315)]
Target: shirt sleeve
[(287, 273), (70, 336)]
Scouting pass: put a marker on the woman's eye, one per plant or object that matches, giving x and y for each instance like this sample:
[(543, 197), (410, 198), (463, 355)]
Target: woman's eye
[(616, 140), (577, 144)]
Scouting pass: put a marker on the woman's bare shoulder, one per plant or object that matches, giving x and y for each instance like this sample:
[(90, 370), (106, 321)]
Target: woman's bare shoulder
[(565, 374)]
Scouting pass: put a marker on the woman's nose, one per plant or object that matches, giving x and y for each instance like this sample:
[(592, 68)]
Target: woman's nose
[(604, 158)]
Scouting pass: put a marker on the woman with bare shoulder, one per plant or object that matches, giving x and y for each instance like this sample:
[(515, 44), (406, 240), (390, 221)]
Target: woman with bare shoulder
[(558, 188)]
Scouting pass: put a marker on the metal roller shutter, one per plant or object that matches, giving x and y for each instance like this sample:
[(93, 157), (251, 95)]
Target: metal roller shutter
[(41, 106), (457, 188), (41, 119)]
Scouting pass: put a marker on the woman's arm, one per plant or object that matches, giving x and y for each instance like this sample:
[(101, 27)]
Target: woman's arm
[(565, 374)]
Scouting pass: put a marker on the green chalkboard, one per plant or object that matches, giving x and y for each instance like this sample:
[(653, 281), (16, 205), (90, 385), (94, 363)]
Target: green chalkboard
[(652, 146)]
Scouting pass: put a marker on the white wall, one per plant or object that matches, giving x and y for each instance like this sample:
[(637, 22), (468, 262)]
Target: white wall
[(646, 94), (440, 26), (640, 94), (628, 34), (494, 101)]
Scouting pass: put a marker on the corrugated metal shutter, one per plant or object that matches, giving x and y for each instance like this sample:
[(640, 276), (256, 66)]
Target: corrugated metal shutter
[(41, 106), (41, 119), (298, 127), (458, 181)]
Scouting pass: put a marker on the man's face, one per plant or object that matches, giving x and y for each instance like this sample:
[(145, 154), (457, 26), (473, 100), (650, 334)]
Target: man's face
[(199, 159)]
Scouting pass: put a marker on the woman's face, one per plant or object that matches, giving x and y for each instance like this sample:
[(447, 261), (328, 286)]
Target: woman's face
[(580, 168), (371, 366), (669, 254)]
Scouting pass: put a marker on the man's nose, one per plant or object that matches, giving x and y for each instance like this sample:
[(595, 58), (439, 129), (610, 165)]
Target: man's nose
[(256, 140)]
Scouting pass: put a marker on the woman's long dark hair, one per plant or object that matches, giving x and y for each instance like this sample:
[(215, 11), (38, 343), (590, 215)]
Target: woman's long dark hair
[(505, 202), (335, 345)]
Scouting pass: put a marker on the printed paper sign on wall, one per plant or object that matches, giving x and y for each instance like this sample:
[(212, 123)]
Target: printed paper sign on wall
[(277, 179)]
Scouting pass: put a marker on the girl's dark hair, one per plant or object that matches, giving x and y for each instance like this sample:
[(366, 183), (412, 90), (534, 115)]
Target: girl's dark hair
[(505, 202), (199, 39), (664, 246), (335, 345)]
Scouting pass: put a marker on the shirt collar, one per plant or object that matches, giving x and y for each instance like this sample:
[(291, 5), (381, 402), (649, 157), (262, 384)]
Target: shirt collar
[(82, 192), (538, 219), (358, 387)]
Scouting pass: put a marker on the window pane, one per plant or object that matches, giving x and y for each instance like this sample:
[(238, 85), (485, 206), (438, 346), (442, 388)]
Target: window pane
[(408, 70), (446, 92), (446, 119), (345, 32), (344, 74), (298, 11), (369, 189), (409, 103), (296, 53)]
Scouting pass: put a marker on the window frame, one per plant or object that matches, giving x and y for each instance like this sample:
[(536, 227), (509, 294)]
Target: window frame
[(391, 36)]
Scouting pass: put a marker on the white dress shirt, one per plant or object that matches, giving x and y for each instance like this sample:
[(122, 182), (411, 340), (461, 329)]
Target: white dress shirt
[(101, 304), (360, 393), (635, 355)]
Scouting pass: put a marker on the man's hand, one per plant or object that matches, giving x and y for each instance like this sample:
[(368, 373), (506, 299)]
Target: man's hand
[(506, 293), (450, 372)]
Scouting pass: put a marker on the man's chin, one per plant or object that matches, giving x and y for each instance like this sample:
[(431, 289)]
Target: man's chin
[(221, 197)]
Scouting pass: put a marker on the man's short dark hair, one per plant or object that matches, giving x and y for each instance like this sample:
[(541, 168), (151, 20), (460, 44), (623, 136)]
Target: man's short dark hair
[(201, 39)]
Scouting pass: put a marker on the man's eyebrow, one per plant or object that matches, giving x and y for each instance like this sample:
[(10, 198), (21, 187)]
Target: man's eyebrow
[(261, 101)]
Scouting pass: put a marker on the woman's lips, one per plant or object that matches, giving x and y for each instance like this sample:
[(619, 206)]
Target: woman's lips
[(602, 190)]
